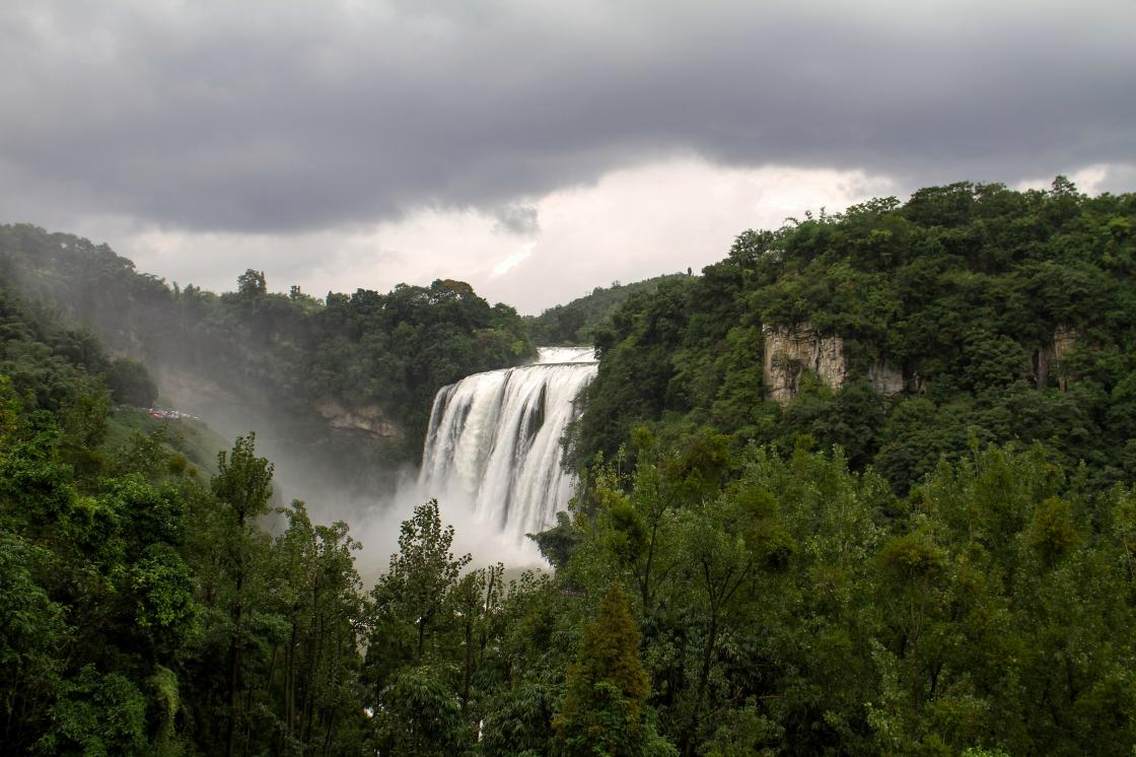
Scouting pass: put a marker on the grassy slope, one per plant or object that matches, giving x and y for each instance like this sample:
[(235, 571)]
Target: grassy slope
[(192, 439)]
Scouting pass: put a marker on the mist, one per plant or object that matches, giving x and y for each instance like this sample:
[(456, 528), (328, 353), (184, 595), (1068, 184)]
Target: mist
[(337, 390), (378, 528)]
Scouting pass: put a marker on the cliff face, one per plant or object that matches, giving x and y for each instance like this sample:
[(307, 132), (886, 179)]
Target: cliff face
[(1050, 356), (886, 379), (789, 351), (368, 419)]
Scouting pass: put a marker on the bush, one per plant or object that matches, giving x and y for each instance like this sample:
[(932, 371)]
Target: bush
[(130, 383)]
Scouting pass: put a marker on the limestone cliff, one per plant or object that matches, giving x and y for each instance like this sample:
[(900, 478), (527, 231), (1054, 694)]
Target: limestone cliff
[(1049, 356), (886, 379), (789, 351), (367, 418)]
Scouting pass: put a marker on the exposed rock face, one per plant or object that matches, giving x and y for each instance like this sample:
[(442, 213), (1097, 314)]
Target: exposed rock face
[(368, 419), (886, 379), (789, 351), (1051, 355)]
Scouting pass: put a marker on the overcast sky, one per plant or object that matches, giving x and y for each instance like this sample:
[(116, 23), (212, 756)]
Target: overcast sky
[(533, 149)]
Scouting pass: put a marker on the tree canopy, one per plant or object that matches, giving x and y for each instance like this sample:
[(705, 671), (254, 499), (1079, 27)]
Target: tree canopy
[(940, 566), (970, 310), (303, 367)]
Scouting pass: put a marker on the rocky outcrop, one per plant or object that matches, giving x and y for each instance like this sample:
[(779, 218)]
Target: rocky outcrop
[(790, 351), (368, 419), (886, 379), (1049, 357)]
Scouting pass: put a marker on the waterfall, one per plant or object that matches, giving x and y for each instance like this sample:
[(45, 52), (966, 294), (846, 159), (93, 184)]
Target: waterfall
[(494, 441)]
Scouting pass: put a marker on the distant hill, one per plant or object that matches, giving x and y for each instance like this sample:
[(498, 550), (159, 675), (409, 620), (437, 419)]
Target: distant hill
[(339, 389), (577, 321), (46, 366)]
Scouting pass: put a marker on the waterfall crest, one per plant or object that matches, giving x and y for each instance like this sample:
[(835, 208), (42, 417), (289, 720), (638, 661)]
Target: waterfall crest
[(494, 441)]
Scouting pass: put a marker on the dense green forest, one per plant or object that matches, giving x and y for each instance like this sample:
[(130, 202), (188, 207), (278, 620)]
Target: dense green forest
[(345, 381), (578, 321), (971, 311), (828, 562)]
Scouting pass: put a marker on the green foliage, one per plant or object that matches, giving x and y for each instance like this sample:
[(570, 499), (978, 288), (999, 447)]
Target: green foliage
[(32, 628), (805, 608), (166, 610), (251, 285), (1003, 315), (520, 720), (288, 360), (141, 610), (130, 383), (743, 731), (607, 687), (243, 480), (580, 320), (412, 594), (164, 684), (421, 716), (98, 715), (848, 574)]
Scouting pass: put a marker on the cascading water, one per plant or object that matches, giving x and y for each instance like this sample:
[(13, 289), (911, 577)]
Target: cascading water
[(494, 441)]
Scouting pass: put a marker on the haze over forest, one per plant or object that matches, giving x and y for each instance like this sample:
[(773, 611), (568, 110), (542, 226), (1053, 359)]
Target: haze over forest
[(501, 378)]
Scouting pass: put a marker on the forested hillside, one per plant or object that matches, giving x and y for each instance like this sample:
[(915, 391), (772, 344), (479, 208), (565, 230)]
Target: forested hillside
[(899, 331), (343, 384), (746, 569), (868, 481), (577, 321), (703, 603), (131, 585)]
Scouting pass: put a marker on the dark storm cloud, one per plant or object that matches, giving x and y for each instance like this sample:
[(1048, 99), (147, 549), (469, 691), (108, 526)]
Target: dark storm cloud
[(283, 116), (518, 219)]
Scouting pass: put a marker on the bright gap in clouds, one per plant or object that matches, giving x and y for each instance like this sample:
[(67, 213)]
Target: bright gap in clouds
[(632, 223), (1092, 180)]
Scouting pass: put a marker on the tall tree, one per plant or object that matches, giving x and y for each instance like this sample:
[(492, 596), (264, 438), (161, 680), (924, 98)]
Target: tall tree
[(411, 604), (607, 687), (243, 485)]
